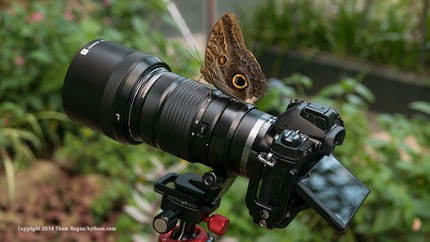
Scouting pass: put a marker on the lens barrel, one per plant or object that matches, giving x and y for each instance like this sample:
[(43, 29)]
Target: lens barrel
[(97, 81), (133, 97)]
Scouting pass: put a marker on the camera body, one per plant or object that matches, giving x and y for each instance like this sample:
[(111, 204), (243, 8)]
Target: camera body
[(133, 98), (305, 136)]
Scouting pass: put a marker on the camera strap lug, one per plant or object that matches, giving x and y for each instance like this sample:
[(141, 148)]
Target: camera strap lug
[(266, 159)]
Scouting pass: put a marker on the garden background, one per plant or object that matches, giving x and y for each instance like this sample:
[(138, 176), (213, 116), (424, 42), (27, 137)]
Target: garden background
[(56, 173)]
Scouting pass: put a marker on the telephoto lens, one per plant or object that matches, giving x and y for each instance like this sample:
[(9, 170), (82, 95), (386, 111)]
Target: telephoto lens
[(133, 97)]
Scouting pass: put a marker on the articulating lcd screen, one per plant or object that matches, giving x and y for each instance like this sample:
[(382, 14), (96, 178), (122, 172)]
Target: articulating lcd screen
[(333, 191)]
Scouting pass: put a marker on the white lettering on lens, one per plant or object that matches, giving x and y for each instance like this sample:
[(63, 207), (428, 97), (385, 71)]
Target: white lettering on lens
[(84, 51)]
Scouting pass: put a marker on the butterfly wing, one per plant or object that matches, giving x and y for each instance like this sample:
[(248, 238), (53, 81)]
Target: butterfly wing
[(229, 65)]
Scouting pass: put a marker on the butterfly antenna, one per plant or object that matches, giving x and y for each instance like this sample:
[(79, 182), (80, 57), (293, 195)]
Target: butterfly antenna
[(198, 60), (201, 64)]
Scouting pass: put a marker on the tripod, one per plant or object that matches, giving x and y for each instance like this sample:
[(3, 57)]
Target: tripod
[(191, 199)]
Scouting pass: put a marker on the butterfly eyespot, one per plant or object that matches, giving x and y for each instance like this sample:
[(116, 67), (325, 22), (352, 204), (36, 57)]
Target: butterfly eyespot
[(222, 60), (239, 81)]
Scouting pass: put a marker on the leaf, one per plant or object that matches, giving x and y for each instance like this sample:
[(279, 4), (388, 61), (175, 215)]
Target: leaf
[(365, 92), (8, 109), (354, 99), (90, 27), (21, 135), (386, 219), (52, 79), (139, 24), (332, 90), (299, 79), (420, 106), (9, 169), (41, 56)]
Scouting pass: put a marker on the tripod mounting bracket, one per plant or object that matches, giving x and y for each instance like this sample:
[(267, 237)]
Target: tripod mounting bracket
[(190, 198)]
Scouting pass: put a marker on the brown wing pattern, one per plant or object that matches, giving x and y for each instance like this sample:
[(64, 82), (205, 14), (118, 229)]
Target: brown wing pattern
[(229, 65)]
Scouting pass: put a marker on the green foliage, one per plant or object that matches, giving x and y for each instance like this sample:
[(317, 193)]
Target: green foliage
[(34, 61), (401, 196), (280, 92), (21, 132), (39, 40), (89, 152), (21, 136), (388, 32)]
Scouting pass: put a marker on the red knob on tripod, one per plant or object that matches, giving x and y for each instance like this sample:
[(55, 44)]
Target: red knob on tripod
[(217, 224)]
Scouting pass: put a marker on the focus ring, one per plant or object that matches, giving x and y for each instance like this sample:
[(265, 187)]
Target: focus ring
[(177, 114)]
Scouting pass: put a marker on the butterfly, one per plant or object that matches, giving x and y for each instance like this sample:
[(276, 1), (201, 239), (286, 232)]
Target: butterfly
[(229, 65)]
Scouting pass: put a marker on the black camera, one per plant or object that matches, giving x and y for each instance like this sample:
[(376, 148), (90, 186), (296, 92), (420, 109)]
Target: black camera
[(133, 97)]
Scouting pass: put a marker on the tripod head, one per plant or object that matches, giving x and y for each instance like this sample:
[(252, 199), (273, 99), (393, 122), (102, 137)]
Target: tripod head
[(191, 199)]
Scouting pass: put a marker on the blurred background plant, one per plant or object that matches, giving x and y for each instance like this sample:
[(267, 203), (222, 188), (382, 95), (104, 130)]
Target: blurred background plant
[(146, 202), (388, 32), (389, 152), (21, 136), (38, 40)]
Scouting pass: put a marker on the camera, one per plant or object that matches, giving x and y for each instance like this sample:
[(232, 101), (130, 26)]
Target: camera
[(134, 98)]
